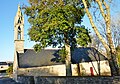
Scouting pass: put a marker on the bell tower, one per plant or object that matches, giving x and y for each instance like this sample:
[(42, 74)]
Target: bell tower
[(19, 31)]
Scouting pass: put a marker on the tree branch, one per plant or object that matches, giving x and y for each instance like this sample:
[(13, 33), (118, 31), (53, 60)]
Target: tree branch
[(94, 27)]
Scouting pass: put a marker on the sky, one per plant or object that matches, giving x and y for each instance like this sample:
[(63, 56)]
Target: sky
[(8, 11)]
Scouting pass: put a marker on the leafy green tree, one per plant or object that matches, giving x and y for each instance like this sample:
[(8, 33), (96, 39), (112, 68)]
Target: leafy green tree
[(57, 23)]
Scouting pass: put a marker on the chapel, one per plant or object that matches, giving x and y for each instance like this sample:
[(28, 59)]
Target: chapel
[(28, 62)]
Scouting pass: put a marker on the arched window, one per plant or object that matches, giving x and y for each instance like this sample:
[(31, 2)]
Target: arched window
[(19, 33), (19, 20)]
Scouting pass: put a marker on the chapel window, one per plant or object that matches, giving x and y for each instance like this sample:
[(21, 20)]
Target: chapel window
[(19, 20), (19, 33)]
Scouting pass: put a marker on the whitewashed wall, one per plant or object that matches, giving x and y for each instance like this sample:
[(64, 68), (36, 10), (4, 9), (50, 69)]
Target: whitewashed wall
[(60, 70), (104, 68), (54, 70)]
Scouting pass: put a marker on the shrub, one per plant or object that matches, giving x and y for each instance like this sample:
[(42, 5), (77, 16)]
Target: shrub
[(9, 71)]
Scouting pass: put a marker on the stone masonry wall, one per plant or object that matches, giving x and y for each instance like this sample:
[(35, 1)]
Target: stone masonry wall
[(68, 80)]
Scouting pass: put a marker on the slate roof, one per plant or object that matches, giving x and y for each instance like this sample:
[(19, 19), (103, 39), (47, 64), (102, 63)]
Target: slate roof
[(88, 54), (47, 56)]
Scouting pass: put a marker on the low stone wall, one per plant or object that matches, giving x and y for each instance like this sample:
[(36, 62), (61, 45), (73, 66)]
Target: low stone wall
[(68, 80)]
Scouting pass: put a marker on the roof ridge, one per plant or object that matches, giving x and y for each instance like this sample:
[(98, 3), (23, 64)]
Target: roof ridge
[(43, 49)]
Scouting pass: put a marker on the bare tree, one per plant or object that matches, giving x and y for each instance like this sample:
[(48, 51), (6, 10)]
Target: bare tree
[(104, 9), (115, 28), (96, 43)]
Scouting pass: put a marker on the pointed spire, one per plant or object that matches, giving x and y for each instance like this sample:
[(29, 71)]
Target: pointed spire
[(19, 16), (19, 10), (18, 7)]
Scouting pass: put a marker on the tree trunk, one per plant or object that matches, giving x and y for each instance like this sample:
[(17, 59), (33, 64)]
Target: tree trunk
[(68, 60), (113, 64)]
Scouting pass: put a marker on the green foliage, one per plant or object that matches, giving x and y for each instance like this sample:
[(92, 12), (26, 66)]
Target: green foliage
[(56, 23), (118, 54), (9, 71), (62, 53)]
